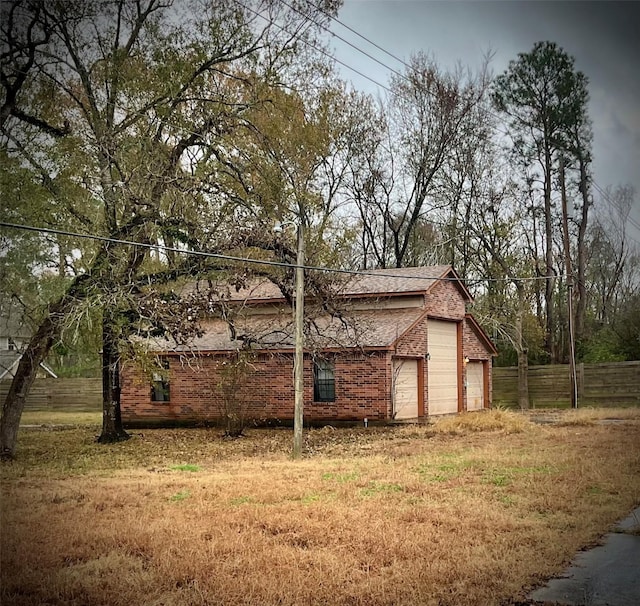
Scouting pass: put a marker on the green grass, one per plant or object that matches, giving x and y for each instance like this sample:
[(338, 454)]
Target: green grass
[(341, 478), (186, 467), (376, 488), (180, 496), (243, 500)]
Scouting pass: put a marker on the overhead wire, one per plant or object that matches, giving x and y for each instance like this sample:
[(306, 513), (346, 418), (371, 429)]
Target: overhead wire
[(607, 198), (235, 258), (347, 42), (391, 91), (363, 37), (335, 19), (314, 47)]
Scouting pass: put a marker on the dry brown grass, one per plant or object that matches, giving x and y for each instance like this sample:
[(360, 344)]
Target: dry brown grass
[(495, 420), (406, 515), (589, 415), (61, 417)]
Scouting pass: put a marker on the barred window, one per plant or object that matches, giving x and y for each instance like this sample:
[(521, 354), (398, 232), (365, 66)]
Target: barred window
[(160, 391), (324, 382)]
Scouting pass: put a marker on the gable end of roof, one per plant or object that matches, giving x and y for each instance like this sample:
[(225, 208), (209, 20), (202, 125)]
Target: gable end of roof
[(481, 334)]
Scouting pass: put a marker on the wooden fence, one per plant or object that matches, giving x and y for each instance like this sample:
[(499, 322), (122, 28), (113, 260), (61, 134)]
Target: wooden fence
[(61, 394), (611, 384)]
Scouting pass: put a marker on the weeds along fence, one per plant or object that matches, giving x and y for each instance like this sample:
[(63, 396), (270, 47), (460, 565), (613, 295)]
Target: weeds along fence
[(61, 394), (610, 384)]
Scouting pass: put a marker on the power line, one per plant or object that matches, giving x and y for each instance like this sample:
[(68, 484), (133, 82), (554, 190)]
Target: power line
[(605, 196), (353, 46), (200, 253), (362, 37), (313, 46), (365, 53), (349, 67), (343, 63)]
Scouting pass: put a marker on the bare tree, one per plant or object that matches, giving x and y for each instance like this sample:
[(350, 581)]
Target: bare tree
[(424, 123), (611, 269)]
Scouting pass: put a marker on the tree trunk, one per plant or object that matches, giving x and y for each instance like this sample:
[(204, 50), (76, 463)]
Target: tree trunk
[(112, 430), (523, 378), (550, 274), (523, 354), (581, 307), (35, 353), (569, 270)]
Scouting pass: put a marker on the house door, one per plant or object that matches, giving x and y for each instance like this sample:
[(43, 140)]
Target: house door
[(405, 389), (475, 386), (443, 367)]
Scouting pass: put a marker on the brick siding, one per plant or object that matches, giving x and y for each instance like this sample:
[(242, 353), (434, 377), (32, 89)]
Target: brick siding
[(445, 301), (362, 389), (362, 380)]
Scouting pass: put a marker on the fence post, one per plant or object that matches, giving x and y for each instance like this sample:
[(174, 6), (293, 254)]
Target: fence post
[(580, 380)]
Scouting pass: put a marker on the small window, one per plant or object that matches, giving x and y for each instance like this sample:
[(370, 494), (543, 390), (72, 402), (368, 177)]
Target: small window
[(160, 384), (11, 345), (324, 382)]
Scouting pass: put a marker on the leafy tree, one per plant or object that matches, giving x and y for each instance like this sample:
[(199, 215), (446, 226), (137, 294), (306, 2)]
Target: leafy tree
[(134, 116), (545, 100)]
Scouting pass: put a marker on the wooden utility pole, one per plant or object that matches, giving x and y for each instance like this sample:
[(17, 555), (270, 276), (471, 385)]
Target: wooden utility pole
[(567, 260), (298, 366)]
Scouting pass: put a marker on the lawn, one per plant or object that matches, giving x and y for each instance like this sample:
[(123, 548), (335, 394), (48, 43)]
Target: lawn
[(475, 509)]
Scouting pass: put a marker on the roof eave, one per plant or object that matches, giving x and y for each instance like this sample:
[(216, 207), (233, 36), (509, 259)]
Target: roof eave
[(270, 350)]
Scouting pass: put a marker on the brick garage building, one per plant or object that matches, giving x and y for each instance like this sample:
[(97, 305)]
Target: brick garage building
[(407, 350)]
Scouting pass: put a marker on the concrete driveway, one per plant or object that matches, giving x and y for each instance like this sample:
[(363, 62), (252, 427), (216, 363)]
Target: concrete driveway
[(607, 575)]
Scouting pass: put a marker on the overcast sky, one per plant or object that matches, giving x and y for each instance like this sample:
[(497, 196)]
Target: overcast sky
[(602, 36)]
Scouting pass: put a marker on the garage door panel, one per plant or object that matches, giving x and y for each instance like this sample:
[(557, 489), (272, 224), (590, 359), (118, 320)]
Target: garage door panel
[(475, 386), (405, 400), (443, 367)]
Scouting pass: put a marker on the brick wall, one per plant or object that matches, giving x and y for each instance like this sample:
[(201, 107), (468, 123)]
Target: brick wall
[(362, 388), (474, 349), (362, 381), (414, 343), (445, 301)]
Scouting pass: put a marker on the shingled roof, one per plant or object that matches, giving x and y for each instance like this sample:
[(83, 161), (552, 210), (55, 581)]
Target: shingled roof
[(370, 329), (402, 280), (375, 282)]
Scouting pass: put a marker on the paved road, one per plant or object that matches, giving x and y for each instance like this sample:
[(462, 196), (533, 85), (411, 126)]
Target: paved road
[(607, 575)]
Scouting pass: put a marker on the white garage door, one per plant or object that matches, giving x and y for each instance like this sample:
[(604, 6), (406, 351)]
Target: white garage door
[(475, 386), (443, 367), (405, 401)]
